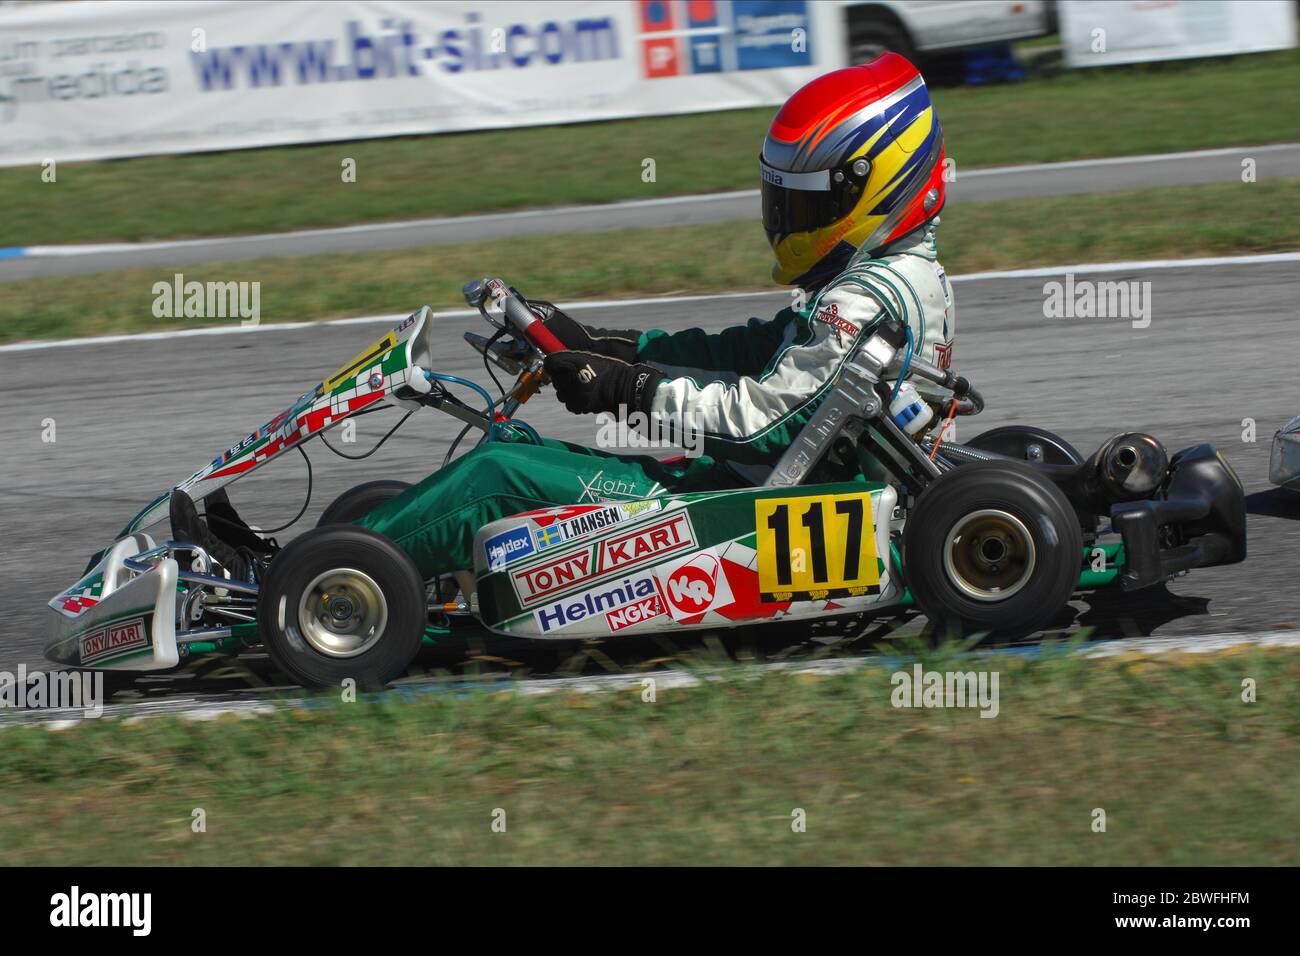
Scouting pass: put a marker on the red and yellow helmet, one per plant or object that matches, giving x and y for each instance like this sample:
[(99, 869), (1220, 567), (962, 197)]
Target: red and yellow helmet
[(853, 160)]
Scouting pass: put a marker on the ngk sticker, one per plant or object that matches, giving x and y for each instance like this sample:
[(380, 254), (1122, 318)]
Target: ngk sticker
[(544, 580), (692, 587), (635, 613)]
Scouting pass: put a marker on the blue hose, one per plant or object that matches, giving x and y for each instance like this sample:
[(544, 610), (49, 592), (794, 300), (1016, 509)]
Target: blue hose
[(491, 434), (527, 429), (907, 364), (457, 380)]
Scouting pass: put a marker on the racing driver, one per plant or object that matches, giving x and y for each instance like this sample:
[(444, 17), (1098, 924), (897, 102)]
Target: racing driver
[(852, 185)]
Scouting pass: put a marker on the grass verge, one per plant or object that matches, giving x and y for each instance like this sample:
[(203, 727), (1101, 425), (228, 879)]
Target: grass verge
[(1175, 222), (1186, 772), (1087, 113)]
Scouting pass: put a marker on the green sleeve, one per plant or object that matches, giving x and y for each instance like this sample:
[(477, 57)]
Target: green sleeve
[(745, 349)]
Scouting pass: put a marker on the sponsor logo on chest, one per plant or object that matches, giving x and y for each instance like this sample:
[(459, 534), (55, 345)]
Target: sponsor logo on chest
[(830, 315)]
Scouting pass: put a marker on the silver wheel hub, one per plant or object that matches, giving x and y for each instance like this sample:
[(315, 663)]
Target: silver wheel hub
[(342, 613), (989, 555)]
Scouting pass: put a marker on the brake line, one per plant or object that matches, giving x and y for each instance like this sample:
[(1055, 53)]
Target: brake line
[(952, 411)]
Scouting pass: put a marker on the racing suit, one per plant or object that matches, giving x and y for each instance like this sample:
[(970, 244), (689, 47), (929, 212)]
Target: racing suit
[(747, 390)]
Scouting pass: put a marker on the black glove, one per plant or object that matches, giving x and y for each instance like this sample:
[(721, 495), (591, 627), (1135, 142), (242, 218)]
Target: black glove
[(587, 383), (614, 343)]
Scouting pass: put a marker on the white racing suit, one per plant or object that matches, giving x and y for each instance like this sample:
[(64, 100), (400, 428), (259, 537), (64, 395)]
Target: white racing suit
[(748, 390)]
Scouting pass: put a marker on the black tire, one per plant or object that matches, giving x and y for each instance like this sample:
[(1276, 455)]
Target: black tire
[(1016, 441), (360, 501), (992, 505), (373, 628), (874, 34)]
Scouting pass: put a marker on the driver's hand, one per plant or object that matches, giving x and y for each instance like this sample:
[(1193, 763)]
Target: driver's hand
[(612, 343), (588, 383)]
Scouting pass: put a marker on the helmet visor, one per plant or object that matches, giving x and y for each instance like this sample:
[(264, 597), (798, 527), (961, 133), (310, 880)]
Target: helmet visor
[(801, 202)]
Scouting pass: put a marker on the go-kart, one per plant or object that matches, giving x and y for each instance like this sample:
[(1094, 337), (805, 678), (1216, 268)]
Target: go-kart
[(994, 535)]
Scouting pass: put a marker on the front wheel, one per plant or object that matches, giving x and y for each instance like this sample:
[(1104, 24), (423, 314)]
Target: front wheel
[(342, 602), (992, 547)]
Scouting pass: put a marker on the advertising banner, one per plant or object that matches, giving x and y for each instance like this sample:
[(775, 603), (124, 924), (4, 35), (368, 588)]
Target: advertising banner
[(99, 80), (1110, 32)]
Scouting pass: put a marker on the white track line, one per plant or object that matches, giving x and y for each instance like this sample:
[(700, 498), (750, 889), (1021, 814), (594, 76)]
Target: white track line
[(1122, 160), (200, 709), (86, 249), (1132, 266), (111, 247)]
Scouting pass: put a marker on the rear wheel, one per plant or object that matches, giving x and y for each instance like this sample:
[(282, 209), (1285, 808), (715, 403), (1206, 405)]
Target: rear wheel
[(342, 602), (1027, 443), (992, 547), (360, 501)]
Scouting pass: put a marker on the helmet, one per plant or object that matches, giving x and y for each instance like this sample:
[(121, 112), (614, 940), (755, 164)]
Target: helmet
[(854, 160)]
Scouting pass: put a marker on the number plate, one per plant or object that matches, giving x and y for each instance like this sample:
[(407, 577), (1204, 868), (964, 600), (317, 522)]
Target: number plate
[(816, 547)]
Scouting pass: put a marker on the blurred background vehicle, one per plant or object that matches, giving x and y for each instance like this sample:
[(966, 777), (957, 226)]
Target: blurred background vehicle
[(920, 29)]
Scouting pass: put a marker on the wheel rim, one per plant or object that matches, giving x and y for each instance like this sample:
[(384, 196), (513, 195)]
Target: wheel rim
[(342, 613), (989, 555)]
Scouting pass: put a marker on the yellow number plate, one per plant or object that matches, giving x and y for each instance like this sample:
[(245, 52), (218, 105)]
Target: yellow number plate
[(815, 547)]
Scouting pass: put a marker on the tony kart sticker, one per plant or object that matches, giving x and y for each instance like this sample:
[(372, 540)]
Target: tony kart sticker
[(545, 580), (113, 640), (646, 541), (616, 554)]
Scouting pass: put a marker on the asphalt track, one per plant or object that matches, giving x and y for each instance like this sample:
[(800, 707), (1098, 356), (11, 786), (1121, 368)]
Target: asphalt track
[(976, 185), (133, 417)]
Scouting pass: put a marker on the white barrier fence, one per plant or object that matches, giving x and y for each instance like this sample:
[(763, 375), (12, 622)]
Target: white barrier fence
[(1110, 32), (100, 80)]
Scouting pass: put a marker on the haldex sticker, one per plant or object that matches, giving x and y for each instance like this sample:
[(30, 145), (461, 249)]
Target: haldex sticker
[(510, 545)]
